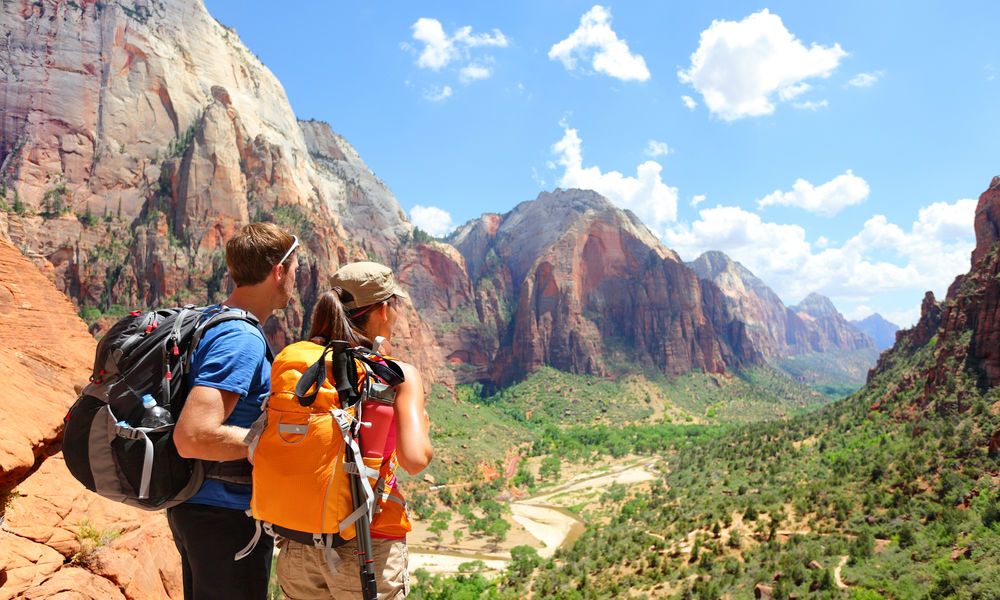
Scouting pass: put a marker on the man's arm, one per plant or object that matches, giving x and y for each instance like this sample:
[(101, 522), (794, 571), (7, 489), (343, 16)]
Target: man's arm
[(200, 433)]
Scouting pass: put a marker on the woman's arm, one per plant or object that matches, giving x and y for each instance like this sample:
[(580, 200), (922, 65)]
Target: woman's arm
[(413, 442)]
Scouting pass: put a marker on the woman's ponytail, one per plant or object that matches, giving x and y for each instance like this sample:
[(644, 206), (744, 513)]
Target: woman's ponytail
[(332, 322)]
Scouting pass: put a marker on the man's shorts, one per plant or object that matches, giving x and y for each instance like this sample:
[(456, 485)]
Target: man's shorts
[(304, 575)]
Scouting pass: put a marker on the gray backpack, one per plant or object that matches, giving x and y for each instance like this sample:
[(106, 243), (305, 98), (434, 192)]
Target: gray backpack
[(104, 444)]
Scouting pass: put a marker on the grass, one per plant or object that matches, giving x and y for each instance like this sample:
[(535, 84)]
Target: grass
[(92, 541)]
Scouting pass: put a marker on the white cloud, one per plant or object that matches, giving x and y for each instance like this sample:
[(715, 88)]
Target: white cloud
[(879, 259), (537, 178), (827, 200), (655, 148), (865, 79), (689, 102), (789, 92), (437, 93), (432, 219), (440, 48), (813, 106), (695, 201), (942, 221), (473, 72), (645, 194), (739, 66), (902, 318), (594, 42)]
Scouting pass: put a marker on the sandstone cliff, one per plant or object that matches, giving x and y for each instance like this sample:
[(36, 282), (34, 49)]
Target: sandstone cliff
[(58, 539), (963, 331), (136, 137), (814, 325), (586, 286), (825, 328)]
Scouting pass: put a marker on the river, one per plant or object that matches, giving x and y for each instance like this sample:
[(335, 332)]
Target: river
[(544, 516)]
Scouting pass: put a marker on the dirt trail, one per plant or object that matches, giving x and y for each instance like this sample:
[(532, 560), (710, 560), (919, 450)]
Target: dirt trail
[(836, 572)]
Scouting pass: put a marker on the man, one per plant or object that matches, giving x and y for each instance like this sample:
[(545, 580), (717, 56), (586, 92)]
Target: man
[(230, 377)]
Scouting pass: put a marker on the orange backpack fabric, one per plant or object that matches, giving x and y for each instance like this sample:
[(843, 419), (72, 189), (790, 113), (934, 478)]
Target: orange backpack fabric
[(300, 481)]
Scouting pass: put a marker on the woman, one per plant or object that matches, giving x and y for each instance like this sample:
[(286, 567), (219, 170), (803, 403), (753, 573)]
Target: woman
[(360, 308)]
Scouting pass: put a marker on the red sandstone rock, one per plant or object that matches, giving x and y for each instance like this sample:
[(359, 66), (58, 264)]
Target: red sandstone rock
[(45, 350), (966, 327), (138, 139), (73, 583), (583, 276)]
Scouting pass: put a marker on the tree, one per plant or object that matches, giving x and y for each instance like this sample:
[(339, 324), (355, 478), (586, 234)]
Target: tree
[(438, 526), (524, 477), (523, 560), (550, 468), (906, 536), (498, 529)]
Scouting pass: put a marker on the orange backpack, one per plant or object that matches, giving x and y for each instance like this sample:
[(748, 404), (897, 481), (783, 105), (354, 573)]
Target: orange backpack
[(306, 452)]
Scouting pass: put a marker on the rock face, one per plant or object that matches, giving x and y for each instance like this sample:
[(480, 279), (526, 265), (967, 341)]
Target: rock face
[(46, 351), (57, 537), (965, 328), (585, 283), (766, 318), (135, 139), (825, 328), (881, 331), (814, 325), (972, 306)]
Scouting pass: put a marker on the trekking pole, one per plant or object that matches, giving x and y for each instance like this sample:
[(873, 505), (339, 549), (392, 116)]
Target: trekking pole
[(366, 558), (342, 368)]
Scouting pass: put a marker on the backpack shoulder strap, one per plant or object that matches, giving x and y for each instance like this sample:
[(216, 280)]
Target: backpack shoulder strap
[(385, 368), (221, 315)]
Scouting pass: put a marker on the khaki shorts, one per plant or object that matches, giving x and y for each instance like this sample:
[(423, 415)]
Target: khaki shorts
[(304, 575)]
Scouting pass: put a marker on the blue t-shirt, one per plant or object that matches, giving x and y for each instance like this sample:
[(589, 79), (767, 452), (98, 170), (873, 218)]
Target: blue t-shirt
[(232, 356)]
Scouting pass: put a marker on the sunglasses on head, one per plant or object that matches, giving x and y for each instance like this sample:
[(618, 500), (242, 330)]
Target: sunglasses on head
[(295, 244)]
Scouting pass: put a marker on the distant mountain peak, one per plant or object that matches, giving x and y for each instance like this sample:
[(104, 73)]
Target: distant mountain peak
[(715, 262), (881, 331), (816, 305)]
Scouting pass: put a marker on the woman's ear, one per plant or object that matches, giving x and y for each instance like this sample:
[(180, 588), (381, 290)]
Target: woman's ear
[(383, 311)]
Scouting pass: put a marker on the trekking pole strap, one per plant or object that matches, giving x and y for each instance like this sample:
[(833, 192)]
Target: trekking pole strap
[(366, 496)]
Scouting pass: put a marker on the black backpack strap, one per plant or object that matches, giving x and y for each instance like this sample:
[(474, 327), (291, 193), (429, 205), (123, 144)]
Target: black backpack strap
[(171, 348), (387, 370), (345, 379), (234, 472)]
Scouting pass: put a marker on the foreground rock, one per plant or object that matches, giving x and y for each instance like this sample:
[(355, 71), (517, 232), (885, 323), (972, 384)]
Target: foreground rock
[(57, 538)]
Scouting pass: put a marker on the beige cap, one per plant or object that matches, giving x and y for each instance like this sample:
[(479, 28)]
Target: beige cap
[(367, 282)]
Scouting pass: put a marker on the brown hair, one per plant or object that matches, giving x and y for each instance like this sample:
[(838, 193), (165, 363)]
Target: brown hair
[(254, 250), (331, 321)]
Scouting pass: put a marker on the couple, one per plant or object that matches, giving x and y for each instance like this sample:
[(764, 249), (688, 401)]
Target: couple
[(230, 378)]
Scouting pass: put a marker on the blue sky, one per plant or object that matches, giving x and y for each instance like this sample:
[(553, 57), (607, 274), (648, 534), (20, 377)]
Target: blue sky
[(830, 147)]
